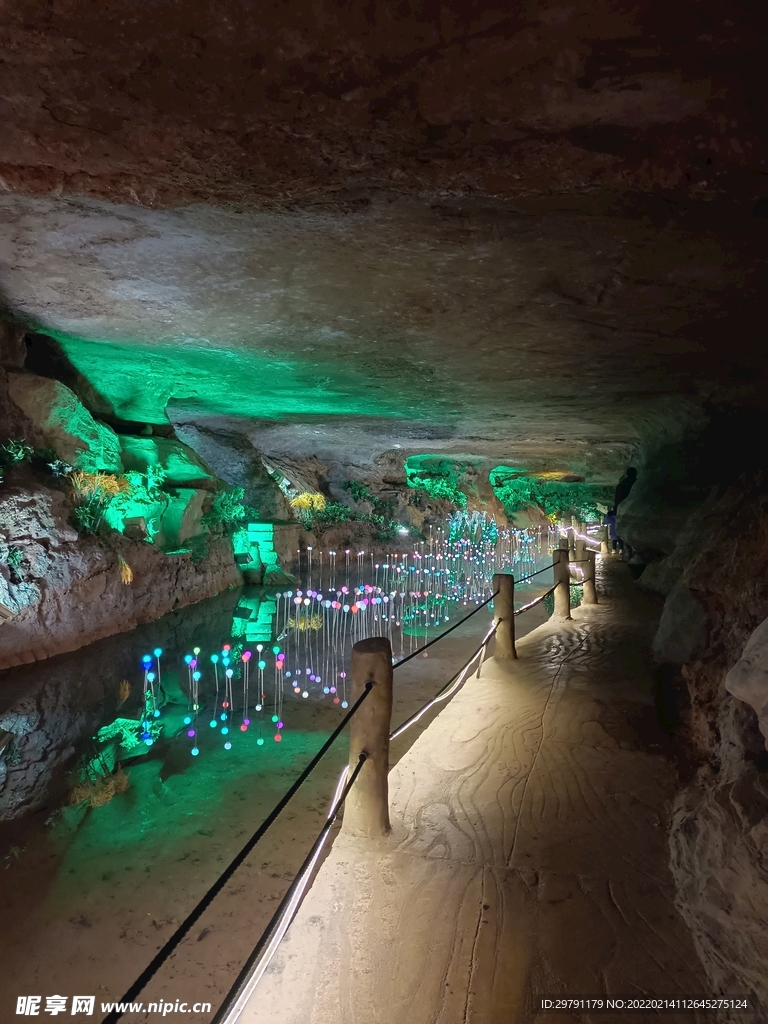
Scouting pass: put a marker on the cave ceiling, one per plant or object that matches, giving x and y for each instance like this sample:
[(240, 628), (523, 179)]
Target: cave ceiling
[(353, 230)]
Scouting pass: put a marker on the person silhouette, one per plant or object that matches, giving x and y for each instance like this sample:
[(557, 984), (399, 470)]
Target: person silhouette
[(610, 521), (624, 486)]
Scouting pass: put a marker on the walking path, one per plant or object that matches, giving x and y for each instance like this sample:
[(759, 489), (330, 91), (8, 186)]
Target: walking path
[(528, 855)]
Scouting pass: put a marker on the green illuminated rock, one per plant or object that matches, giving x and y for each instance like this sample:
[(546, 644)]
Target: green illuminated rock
[(181, 466), (66, 424)]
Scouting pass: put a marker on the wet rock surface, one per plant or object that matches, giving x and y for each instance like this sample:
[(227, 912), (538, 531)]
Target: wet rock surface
[(51, 709)]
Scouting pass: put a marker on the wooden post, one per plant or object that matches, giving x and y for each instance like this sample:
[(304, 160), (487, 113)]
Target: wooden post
[(589, 594), (366, 810), (604, 539), (571, 545), (563, 584), (579, 547), (504, 614)]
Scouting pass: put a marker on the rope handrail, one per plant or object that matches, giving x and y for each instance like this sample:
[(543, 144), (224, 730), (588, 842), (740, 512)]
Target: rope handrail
[(261, 956), (208, 897), (444, 692), (450, 629), (532, 574), (264, 950), (535, 601), (257, 963), (236, 999)]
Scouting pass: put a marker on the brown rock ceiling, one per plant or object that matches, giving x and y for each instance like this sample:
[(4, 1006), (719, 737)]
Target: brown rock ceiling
[(522, 234)]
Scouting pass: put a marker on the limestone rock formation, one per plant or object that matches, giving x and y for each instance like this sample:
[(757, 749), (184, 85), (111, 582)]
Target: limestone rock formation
[(748, 679), (65, 423), (713, 630), (682, 630), (180, 465), (237, 462), (71, 592)]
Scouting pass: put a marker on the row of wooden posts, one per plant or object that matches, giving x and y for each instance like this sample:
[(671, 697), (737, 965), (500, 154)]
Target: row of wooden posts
[(366, 810)]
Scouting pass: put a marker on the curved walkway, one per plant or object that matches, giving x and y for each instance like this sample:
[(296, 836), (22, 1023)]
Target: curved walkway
[(528, 854)]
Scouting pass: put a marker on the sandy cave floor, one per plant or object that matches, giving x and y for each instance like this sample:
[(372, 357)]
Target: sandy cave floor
[(89, 899), (528, 855)]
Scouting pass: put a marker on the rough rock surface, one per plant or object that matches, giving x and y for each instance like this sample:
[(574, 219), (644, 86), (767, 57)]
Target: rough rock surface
[(682, 630), (712, 622), (183, 103), (65, 423), (548, 331), (719, 838), (181, 466), (748, 679), (237, 462), (71, 594)]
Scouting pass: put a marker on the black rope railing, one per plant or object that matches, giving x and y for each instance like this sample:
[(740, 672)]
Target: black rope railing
[(445, 632), (532, 574), (248, 978), (250, 975), (202, 905), (441, 693), (535, 601)]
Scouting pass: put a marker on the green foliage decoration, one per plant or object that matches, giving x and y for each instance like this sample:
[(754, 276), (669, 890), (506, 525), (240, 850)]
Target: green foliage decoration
[(555, 499), (549, 599), (15, 450), (359, 490), (14, 559), (227, 509)]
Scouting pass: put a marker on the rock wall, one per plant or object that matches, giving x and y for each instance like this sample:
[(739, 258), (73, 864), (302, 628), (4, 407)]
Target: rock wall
[(711, 561), (69, 593)]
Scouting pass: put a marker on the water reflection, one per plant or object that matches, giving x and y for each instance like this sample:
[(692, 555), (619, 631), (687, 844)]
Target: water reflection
[(228, 671)]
